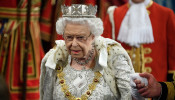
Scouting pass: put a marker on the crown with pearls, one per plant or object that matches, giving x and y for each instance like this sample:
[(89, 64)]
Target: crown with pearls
[(79, 11)]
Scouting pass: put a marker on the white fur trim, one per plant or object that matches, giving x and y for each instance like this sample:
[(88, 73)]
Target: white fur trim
[(111, 18)]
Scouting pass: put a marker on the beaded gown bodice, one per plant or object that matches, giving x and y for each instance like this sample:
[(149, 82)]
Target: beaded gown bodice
[(78, 82)]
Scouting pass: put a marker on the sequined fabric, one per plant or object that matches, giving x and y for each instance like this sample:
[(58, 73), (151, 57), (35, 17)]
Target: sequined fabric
[(78, 81)]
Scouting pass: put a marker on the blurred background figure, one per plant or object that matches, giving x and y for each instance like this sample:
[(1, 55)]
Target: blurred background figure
[(147, 31), (20, 47)]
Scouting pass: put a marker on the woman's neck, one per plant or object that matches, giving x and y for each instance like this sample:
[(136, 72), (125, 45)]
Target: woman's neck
[(89, 65)]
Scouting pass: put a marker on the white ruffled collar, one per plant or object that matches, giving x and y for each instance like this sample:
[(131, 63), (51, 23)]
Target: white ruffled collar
[(136, 26)]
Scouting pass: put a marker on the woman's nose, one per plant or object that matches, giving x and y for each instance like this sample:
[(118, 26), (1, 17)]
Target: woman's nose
[(74, 42)]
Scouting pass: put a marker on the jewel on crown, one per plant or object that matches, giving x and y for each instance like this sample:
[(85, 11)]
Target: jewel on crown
[(79, 11)]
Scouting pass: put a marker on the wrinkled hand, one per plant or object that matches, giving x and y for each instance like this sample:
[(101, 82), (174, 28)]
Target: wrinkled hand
[(152, 90)]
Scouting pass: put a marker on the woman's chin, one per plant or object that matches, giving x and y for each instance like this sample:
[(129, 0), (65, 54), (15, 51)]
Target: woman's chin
[(76, 56)]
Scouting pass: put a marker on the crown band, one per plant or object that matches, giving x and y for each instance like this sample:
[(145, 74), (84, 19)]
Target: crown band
[(79, 11)]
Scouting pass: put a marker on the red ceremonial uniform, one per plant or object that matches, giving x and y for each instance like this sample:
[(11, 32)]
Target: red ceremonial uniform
[(157, 58), (13, 16)]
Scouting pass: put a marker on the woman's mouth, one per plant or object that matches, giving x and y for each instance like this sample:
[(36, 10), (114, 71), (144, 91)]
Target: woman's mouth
[(75, 51)]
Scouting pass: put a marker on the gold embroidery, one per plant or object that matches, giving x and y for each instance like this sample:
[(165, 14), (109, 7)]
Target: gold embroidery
[(171, 91), (148, 60), (145, 59), (148, 12), (14, 88), (134, 53), (147, 69), (64, 86), (147, 50), (172, 72), (15, 13), (149, 5), (139, 60)]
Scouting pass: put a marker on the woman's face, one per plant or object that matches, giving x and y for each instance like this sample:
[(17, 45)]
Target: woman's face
[(137, 1), (78, 39)]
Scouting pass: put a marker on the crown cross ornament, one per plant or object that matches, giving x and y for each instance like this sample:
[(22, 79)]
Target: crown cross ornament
[(64, 10), (79, 11), (92, 10), (76, 10)]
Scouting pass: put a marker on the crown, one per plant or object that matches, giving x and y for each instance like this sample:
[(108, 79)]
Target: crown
[(79, 11)]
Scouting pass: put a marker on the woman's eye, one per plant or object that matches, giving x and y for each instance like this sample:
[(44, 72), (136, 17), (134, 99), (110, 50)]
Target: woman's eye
[(69, 37), (80, 37)]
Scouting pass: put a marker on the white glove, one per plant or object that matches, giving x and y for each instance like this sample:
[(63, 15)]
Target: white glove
[(134, 91)]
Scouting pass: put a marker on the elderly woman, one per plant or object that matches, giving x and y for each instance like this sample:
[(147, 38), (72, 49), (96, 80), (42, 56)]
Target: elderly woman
[(84, 66)]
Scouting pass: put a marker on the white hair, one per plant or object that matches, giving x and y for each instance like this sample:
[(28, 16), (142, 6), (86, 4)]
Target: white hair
[(95, 24)]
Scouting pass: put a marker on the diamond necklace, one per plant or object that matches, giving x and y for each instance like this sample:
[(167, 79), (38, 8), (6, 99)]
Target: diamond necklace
[(87, 60)]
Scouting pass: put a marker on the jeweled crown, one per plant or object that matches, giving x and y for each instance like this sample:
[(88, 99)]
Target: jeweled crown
[(79, 11)]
